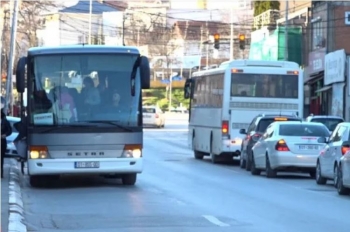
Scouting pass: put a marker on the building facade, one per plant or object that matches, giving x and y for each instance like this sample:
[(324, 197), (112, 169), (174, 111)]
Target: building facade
[(326, 72)]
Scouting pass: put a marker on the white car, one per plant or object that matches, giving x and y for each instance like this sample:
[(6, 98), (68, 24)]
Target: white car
[(153, 116), (11, 149), (329, 121), (288, 146), (343, 185), (329, 159)]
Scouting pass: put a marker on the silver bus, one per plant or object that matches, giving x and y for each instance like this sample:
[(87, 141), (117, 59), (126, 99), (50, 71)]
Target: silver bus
[(84, 111)]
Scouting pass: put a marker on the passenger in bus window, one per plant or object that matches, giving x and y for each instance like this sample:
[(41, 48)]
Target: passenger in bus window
[(90, 93)]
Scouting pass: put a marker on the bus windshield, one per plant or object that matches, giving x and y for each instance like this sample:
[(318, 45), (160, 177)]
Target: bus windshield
[(73, 88), (264, 85)]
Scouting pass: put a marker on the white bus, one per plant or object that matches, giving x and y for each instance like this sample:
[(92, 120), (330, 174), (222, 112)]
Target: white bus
[(226, 99)]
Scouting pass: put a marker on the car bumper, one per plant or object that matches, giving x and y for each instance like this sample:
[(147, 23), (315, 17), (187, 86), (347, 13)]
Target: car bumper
[(289, 160), (67, 166)]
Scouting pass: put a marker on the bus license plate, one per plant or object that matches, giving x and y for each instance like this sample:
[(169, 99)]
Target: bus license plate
[(85, 164)]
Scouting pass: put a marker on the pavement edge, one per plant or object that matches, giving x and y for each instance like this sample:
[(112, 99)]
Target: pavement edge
[(16, 209)]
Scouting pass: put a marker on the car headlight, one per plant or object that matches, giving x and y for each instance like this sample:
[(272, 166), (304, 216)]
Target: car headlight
[(38, 152), (132, 151)]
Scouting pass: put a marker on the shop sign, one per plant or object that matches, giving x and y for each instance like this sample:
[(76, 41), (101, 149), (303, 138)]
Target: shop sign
[(316, 61), (334, 67)]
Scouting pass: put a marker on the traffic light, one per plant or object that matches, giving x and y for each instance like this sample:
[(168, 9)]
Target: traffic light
[(216, 41), (241, 41)]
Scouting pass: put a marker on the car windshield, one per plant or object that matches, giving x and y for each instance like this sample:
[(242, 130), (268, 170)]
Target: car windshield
[(330, 123), (265, 122), (149, 110), (68, 89), (264, 85), (303, 130)]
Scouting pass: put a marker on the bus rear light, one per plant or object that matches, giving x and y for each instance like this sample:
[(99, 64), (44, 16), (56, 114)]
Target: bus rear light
[(293, 72), (132, 151), (224, 127), (38, 152)]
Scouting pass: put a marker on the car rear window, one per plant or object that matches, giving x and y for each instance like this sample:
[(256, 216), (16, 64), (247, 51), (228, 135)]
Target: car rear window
[(330, 123), (265, 122), (149, 110), (303, 130)]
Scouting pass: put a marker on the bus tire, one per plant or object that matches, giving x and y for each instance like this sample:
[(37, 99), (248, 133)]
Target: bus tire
[(129, 179), (37, 181)]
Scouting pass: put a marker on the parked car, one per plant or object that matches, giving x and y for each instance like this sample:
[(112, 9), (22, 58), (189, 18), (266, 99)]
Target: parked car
[(255, 130), (343, 185), (288, 146), (11, 149), (329, 121), (328, 161), (153, 116)]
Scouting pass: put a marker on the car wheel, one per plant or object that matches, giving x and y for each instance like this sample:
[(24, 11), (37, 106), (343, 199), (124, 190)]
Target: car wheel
[(242, 162), (335, 175), (270, 173), (197, 154), (253, 170), (342, 190), (319, 179)]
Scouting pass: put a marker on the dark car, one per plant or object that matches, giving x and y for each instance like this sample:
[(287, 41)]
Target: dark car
[(255, 130)]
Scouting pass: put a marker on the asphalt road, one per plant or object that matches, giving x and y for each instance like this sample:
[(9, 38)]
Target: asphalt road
[(177, 193)]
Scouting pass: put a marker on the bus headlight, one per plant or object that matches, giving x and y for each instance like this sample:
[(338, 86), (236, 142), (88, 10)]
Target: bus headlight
[(132, 151), (38, 152)]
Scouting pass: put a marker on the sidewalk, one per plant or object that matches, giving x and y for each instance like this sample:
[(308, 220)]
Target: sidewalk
[(12, 211), (5, 197)]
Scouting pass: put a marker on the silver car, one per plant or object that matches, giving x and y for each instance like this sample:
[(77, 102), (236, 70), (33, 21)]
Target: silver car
[(288, 146), (343, 185)]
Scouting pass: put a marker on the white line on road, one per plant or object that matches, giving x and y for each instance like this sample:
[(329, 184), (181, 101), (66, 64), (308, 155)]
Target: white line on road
[(166, 130), (215, 221)]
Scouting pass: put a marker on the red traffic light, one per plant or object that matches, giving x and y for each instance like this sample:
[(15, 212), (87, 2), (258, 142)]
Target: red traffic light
[(216, 36), (241, 37)]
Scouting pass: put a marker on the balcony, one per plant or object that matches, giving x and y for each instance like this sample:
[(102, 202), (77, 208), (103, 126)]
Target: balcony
[(268, 18)]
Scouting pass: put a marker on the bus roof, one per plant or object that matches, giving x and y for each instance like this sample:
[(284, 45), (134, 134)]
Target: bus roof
[(82, 49), (248, 63)]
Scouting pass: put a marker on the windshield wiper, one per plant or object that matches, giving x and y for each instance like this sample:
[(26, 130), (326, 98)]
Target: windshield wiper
[(112, 123), (57, 127)]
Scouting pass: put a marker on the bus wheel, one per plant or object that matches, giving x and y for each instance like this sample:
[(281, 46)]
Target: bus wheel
[(37, 181), (129, 179)]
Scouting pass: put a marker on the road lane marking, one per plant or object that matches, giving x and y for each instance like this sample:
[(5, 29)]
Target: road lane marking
[(165, 130), (215, 221)]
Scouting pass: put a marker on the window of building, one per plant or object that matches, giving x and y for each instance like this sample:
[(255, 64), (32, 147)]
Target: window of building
[(318, 39)]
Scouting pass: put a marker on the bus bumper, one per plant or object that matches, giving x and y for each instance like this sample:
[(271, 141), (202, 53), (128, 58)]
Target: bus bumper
[(232, 146), (68, 166)]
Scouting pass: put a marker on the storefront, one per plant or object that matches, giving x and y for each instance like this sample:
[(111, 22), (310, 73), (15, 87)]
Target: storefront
[(317, 94), (334, 79)]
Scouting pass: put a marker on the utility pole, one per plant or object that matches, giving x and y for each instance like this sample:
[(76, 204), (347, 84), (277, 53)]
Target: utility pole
[(286, 33), (200, 49), (90, 19), (184, 38), (11, 56), (231, 36), (2, 33), (207, 46)]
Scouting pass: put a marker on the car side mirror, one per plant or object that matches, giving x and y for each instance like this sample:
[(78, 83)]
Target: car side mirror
[(242, 131), (323, 140)]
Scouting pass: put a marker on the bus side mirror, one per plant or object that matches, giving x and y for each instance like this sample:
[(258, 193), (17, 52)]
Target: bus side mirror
[(188, 89), (20, 74), (145, 73)]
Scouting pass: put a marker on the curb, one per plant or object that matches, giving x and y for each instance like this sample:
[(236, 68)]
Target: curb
[(16, 210)]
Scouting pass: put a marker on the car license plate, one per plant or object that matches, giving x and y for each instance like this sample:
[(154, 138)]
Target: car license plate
[(85, 164), (308, 147), (146, 116)]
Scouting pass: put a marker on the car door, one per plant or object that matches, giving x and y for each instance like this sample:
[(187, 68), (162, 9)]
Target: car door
[(331, 151), (263, 144), (245, 142)]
